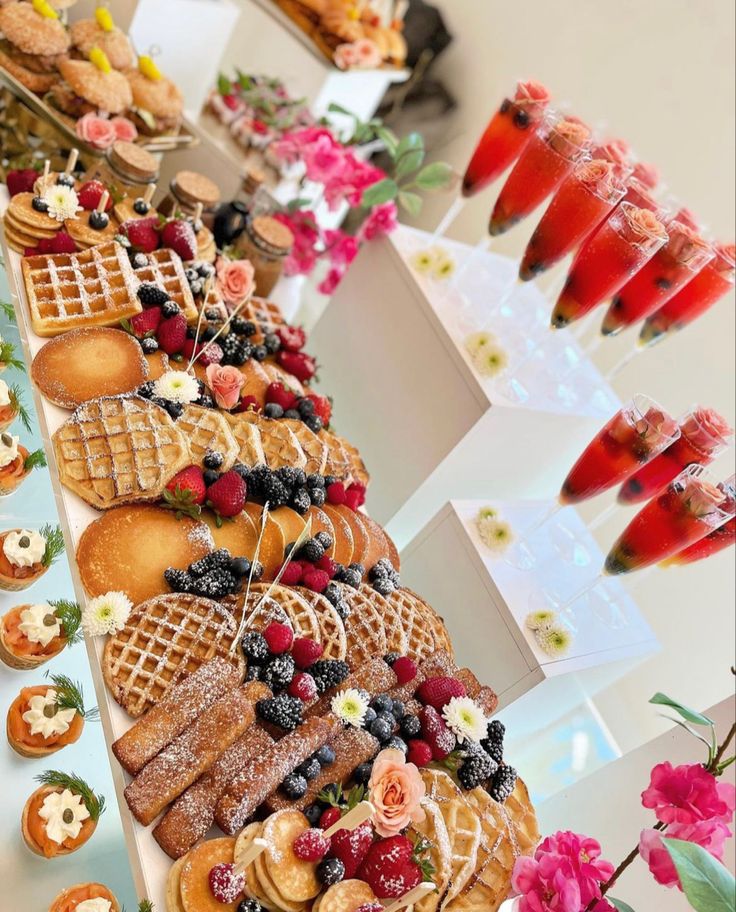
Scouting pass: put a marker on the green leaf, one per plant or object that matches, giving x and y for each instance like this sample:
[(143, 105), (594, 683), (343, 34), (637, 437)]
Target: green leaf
[(335, 108), (245, 82), (412, 202), (296, 204), (619, 904), (380, 192), (708, 885), (408, 163), (660, 699), (7, 308), (409, 143), (388, 138), (224, 86), (434, 176)]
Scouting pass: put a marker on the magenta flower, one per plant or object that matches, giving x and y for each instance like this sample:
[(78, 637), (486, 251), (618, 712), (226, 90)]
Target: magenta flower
[(330, 281), (710, 834), (583, 854), (688, 793), (381, 220), (323, 160), (342, 248), (544, 886)]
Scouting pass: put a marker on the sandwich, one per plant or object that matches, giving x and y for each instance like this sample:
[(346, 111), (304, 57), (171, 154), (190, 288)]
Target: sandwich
[(87, 87), (32, 44), (157, 101), (102, 32)]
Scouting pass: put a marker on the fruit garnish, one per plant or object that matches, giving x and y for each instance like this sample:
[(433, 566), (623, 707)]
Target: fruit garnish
[(172, 334), (227, 496), (90, 194), (104, 19), (311, 845), (179, 235), (279, 637), (225, 885), (396, 865), (300, 364), (185, 492), (305, 652), (351, 847), (439, 691), (99, 58), (45, 9), (149, 68), (142, 234), (56, 779)]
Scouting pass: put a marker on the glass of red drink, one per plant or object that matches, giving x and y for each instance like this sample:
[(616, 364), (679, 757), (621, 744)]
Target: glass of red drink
[(607, 260), (718, 540), (704, 435), (585, 198), (618, 153), (713, 282), (691, 507), (508, 131), (640, 195), (646, 174), (669, 270), (547, 159)]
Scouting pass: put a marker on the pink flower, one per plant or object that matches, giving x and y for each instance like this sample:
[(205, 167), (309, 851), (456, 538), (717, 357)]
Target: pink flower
[(688, 793), (363, 54), (323, 159), (97, 131), (342, 248), (396, 789), (124, 129), (583, 855), (381, 220), (345, 57), (235, 280), (225, 383), (349, 184), (545, 886), (330, 282)]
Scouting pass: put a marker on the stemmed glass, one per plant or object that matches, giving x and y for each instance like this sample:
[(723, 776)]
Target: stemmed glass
[(719, 539)]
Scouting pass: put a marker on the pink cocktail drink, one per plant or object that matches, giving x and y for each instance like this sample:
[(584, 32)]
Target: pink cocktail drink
[(607, 260), (638, 194), (508, 131), (585, 198), (618, 153), (717, 540), (647, 174), (546, 161)]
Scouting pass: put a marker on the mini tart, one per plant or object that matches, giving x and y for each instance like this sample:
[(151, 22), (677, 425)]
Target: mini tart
[(69, 899), (19, 735), (8, 414), (33, 828), (16, 650), (13, 474), (15, 579)]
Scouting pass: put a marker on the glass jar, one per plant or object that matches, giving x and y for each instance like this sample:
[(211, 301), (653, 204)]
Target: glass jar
[(265, 242), (126, 169), (231, 217), (187, 190)]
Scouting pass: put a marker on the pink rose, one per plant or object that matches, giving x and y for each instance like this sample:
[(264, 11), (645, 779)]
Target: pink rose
[(367, 54), (330, 282), (688, 793), (323, 159), (345, 57), (545, 885), (381, 220), (97, 131), (235, 280), (706, 429), (225, 383), (396, 789), (124, 129), (342, 248)]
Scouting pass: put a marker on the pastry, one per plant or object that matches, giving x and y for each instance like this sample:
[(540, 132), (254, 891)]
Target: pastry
[(128, 548), (44, 718), (164, 640), (338, 461), (73, 898), (195, 894), (87, 363), (89, 33), (72, 290), (61, 815), (117, 450), (291, 523), (30, 635), (249, 439), (361, 539), (25, 555), (344, 544), (166, 271), (293, 880), (157, 102), (88, 87), (12, 406), (16, 463), (206, 431), (32, 46), (239, 534)]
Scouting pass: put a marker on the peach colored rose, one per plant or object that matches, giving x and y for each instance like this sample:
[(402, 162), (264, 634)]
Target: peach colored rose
[(532, 93), (345, 57), (395, 789), (225, 383), (124, 129), (97, 131), (706, 429), (367, 53), (235, 280), (644, 224)]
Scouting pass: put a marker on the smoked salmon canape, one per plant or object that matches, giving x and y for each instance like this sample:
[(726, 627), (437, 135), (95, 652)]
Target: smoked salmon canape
[(85, 897), (26, 554), (61, 815), (16, 463), (32, 634), (45, 718)]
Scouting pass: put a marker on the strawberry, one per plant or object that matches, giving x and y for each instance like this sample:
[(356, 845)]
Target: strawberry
[(180, 236), (61, 242), (293, 338), (142, 234), (282, 396), (303, 686), (419, 753), (279, 637), (311, 845), (248, 403), (292, 575), (436, 733), (147, 321), (90, 194), (316, 580), (351, 847), (394, 866), (31, 251), (322, 407), (21, 180), (405, 669), (330, 817), (336, 493), (439, 691), (230, 101), (300, 364), (305, 652), (185, 492), (227, 495), (172, 334)]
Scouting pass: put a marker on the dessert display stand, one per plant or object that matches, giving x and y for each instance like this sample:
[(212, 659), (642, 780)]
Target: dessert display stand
[(428, 426)]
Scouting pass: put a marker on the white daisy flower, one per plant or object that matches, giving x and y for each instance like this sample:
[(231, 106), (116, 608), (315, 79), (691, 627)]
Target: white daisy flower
[(106, 613), (62, 201), (465, 719), (495, 534), (443, 267), (177, 386), (538, 620), (351, 706), (491, 360), (421, 261), (555, 639), (487, 513), (478, 342)]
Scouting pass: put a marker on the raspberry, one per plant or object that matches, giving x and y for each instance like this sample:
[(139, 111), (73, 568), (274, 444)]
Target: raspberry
[(311, 845), (420, 753), (436, 733), (292, 338), (305, 652), (327, 564), (211, 354), (371, 907), (303, 686), (226, 886), (352, 500), (336, 493), (330, 817), (279, 637), (316, 580), (62, 242), (405, 669), (292, 575), (439, 691), (359, 490)]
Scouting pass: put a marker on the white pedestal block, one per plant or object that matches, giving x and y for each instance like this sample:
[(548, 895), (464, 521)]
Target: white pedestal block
[(484, 601)]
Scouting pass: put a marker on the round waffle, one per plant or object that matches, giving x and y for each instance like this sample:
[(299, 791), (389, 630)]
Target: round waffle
[(87, 363), (364, 629), (300, 614), (414, 639), (432, 621), (164, 640), (313, 447), (166, 270), (271, 551), (338, 461), (248, 436), (280, 446), (434, 830), (127, 549), (332, 631), (206, 429), (397, 625), (381, 544)]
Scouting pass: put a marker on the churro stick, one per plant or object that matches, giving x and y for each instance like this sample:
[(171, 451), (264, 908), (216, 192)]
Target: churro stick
[(191, 815), (374, 676), (192, 753), (176, 710)]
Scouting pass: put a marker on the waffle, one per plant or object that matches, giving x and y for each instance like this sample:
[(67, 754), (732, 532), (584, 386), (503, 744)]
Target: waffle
[(71, 290), (248, 437), (420, 642), (358, 471), (207, 429), (433, 622), (280, 446), (331, 629), (338, 461), (365, 599), (300, 614), (116, 450), (166, 270), (165, 639), (434, 830), (265, 313), (314, 448), (364, 628), (344, 545)]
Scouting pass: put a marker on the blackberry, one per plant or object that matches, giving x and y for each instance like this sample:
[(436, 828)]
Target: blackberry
[(325, 539), (279, 672), (175, 409), (255, 647), (213, 459), (283, 711), (410, 727), (312, 551), (254, 673), (259, 352), (359, 568), (139, 260), (242, 327), (330, 871), (325, 756), (377, 571), (314, 423), (351, 578), (362, 773), (257, 571), (397, 743), (239, 566), (216, 584), (318, 496), (215, 560), (315, 480), (384, 586), (294, 786), (504, 782), (292, 414), (286, 475), (272, 343), (250, 905), (149, 345), (170, 308), (210, 476), (208, 333), (313, 814), (343, 609), (492, 744), (206, 401), (151, 295), (310, 769), (390, 658), (328, 673), (305, 407), (274, 491), (273, 410), (179, 580), (300, 501), (300, 478), (333, 593), (476, 769)]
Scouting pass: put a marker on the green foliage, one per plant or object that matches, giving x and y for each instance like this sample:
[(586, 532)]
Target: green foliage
[(54, 543), (35, 460), (70, 615), (95, 804), (707, 884), (619, 904)]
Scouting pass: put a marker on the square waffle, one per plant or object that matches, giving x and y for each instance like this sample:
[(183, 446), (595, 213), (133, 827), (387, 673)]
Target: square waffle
[(264, 313), (164, 640), (207, 429), (166, 270), (117, 450), (95, 287)]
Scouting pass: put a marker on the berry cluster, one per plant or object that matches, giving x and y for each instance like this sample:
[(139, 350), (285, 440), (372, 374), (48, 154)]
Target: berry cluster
[(383, 577), (197, 274), (291, 357), (281, 402), (285, 487), (504, 779), (225, 493), (161, 324), (312, 567), (236, 347), (295, 784), (144, 235), (213, 576)]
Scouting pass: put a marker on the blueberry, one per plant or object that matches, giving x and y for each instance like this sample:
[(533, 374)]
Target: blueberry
[(313, 814), (397, 743), (325, 755), (294, 786), (330, 871), (382, 703), (381, 730), (40, 204), (212, 459), (314, 423), (410, 727), (273, 410), (210, 477), (240, 566), (98, 220), (174, 409), (140, 206), (292, 414), (260, 353), (306, 407), (332, 789), (139, 260), (362, 774), (197, 287), (370, 716), (66, 180), (310, 769), (149, 345), (398, 710)]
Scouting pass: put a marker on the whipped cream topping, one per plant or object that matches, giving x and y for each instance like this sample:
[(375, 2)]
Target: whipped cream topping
[(39, 624), (8, 449), (94, 905), (4, 393), (45, 718), (64, 813), (24, 548)]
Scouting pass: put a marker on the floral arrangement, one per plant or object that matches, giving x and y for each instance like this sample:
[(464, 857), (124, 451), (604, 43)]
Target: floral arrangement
[(683, 849), (487, 354)]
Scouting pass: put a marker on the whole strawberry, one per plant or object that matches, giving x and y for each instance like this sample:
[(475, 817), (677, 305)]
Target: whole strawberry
[(322, 407), (300, 364), (172, 334), (185, 492), (227, 495), (351, 847), (394, 866), (147, 321), (21, 180), (436, 733), (180, 237), (439, 691), (90, 194), (278, 393), (142, 234), (293, 338)]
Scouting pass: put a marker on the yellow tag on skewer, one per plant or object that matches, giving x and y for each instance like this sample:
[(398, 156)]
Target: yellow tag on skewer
[(104, 19), (149, 68), (99, 58), (44, 8)]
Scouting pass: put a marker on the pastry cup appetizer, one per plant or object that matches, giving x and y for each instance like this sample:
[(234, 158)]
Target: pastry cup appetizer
[(12, 407), (16, 463), (26, 555), (45, 718), (61, 815), (80, 898), (8, 357), (30, 635)]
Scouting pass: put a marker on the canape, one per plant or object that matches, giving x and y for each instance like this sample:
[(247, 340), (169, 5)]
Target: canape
[(61, 815), (25, 555), (86, 897), (16, 463), (44, 718), (30, 635)]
